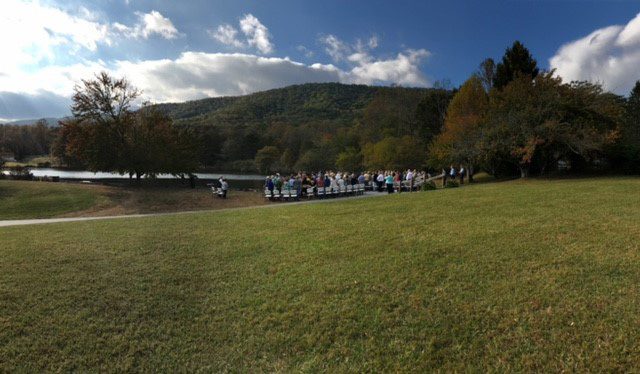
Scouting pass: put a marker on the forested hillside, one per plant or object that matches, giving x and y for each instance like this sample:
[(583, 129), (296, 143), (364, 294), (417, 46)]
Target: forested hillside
[(314, 126), (295, 104)]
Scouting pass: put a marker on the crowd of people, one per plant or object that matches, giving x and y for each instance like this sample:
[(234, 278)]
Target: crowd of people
[(381, 180)]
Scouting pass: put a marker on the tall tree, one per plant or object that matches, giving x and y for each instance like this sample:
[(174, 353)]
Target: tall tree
[(393, 153), (459, 142), (102, 108), (431, 112), (105, 134), (535, 124), (517, 61), (487, 73), (266, 159)]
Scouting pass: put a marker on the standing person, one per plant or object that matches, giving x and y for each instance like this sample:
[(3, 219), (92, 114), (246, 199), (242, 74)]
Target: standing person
[(278, 183), (269, 185), (389, 182), (320, 185), (452, 173), (297, 185), (380, 181), (225, 187), (398, 179), (462, 173), (410, 180)]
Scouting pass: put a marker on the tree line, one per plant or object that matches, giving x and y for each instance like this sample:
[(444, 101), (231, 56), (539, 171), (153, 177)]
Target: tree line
[(511, 118), (23, 141)]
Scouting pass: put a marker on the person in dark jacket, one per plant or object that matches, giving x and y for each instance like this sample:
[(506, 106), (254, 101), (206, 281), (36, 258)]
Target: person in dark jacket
[(269, 185)]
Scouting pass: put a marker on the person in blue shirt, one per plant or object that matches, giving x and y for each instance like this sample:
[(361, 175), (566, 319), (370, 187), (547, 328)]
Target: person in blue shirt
[(389, 182)]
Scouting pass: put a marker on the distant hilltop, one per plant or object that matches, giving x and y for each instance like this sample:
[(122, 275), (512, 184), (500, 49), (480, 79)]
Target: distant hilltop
[(296, 104), (51, 121)]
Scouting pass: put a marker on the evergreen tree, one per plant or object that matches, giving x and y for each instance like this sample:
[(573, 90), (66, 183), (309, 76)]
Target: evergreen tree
[(517, 61)]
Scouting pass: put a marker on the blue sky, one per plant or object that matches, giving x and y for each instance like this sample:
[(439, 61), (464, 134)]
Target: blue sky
[(182, 50)]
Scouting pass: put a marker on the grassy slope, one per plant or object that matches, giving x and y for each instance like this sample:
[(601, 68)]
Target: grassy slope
[(24, 200), (520, 275), (21, 199)]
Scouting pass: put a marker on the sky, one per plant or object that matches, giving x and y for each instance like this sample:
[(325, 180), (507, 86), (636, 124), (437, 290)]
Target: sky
[(176, 51)]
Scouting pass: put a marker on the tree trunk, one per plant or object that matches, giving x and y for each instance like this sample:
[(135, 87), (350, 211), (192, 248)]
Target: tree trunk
[(471, 174), (138, 175), (524, 171)]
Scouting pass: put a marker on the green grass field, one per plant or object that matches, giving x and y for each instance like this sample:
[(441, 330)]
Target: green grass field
[(27, 199), (523, 275), (23, 199)]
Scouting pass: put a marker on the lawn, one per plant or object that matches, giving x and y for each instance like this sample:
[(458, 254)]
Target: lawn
[(26, 199), (524, 275), (22, 199)]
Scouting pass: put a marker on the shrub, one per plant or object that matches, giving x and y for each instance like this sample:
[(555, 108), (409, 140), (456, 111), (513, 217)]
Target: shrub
[(429, 186), (451, 184), (21, 172)]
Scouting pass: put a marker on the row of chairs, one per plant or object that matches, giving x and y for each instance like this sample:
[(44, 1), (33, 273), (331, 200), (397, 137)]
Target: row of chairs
[(321, 192)]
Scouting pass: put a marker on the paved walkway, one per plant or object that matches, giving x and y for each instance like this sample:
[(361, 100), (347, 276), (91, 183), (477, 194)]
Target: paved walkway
[(21, 222)]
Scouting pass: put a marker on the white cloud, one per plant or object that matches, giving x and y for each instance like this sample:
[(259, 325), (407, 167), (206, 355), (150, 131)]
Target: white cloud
[(53, 78), (257, 34), (196, 75), (226, 34), (609, 55), (373, 42), (335, 47), (149, 24), (404, 69), (34, 34), (305, 51)]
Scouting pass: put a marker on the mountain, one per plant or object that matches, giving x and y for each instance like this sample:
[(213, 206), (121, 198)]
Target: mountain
[(311, 102), (50, 121), (314, 126)]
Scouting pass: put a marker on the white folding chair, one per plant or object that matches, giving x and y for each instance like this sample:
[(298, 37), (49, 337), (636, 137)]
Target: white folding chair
[(285, 194)]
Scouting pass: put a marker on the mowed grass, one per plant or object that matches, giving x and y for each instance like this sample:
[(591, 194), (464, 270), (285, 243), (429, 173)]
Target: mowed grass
[(30, 200), (24, 199), (524, 275)]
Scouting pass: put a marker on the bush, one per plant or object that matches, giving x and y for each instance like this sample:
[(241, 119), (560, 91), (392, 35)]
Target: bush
[(429, 186), (452, 184), (21, 173)]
